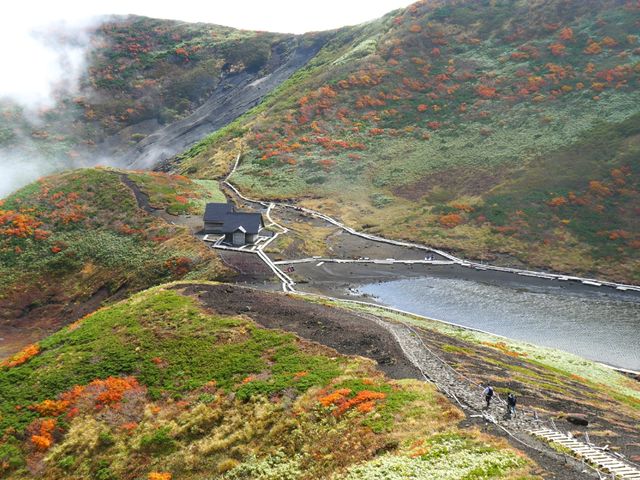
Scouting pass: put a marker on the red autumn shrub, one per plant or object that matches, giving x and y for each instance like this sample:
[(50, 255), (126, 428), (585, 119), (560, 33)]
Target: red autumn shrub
[(486, 92), (566, 34)]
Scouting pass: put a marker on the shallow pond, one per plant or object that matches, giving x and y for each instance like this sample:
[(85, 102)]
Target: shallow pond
[(601, 324)]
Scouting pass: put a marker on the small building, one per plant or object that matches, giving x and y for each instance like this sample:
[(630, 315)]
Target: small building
[(238, 228)]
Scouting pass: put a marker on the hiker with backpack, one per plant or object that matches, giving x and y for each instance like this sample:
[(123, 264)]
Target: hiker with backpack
[(511, 404), (488, 395)]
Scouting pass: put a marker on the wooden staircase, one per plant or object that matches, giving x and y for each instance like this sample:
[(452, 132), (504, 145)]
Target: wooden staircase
[(601, 459)]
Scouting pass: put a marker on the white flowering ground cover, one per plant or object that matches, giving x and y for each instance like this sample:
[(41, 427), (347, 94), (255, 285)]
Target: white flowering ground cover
[(442, 457)]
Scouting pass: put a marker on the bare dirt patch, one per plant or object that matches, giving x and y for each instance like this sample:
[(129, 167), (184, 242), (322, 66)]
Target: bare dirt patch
[(347, 333), (456, 181)]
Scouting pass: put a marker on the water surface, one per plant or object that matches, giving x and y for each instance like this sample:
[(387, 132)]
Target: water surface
[(601, 324)]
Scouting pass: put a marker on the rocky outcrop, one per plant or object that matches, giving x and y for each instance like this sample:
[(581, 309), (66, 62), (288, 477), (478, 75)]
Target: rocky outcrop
[(577, 419), (234, 95)]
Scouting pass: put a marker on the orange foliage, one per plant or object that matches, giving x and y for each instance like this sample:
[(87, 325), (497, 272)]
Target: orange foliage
[(366, 407), (450, 220), (113, 388), (334, 397), (557, 201), (415, 28), (179, 266), (616, 234), (369, 101), (17, 224), (101, 393), (557, 49), (44, 438), (463, 206), (593, 48), (22, 356), (129, 427), (327, 163), (41, 442), (519, 56), (566, 34), (422, 107), (364, 400), (486, 92), (599, 188), (51, 408), (159, 476)]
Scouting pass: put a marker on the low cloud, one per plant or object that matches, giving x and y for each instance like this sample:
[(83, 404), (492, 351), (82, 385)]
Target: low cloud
[(41, 63)]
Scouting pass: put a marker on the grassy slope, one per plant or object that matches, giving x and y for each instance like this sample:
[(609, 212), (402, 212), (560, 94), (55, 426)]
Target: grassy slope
[(71, 236), (458, 124), (177, 389)]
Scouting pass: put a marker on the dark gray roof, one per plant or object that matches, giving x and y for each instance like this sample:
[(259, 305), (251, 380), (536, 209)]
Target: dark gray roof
[(251, 222), (215, 212), (232, 220)]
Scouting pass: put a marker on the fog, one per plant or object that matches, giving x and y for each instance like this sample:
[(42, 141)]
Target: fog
[(43, 60)]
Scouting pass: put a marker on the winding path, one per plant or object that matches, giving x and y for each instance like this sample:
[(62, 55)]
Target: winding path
[(448, 256), (527, 427)]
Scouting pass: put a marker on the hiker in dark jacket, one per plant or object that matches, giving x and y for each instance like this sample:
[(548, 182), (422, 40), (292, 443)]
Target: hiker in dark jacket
[(488, 394), (511, 404)]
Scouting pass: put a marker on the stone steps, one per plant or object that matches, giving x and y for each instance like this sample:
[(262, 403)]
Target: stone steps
[(601, 459)]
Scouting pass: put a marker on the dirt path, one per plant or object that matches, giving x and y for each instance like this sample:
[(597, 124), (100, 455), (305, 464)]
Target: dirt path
[(141, 197)]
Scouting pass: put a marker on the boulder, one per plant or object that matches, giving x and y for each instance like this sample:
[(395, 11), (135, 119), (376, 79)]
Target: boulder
[(577, 419)]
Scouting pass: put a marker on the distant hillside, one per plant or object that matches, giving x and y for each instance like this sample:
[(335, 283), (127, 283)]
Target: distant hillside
[(146, 76), (174, 391), (507, 131), (72, 241)]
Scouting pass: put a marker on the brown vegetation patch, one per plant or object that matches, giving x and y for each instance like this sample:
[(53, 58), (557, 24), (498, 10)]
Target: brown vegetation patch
[(453, 183)]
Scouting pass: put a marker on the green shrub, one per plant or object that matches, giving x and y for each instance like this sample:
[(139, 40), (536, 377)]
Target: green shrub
[(158, 443)]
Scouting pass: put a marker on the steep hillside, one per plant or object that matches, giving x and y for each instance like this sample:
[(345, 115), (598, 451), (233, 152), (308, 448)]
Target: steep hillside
[(71, 241), (155, 400), (507, 131), (177, 80)]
